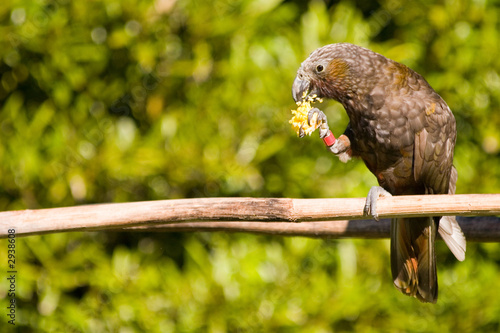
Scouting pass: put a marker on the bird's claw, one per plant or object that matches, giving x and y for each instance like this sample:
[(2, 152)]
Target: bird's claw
[(371, 201), (341, 147), (321, 121)]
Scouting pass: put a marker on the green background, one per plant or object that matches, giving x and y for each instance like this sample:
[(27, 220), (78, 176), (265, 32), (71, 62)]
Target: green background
[(117, 101)]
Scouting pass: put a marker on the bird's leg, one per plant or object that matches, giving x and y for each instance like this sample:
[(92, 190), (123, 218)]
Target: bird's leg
[(342, 148), (342, 145), (371, 201)]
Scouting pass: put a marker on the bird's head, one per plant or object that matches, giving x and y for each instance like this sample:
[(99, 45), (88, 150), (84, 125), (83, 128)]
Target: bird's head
[(332, 71)]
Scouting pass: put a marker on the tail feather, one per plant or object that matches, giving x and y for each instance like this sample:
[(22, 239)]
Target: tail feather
[(450, 232), (448, 226), (413, 261)]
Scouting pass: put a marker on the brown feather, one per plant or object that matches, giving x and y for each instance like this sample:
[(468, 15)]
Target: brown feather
[(413, 261)]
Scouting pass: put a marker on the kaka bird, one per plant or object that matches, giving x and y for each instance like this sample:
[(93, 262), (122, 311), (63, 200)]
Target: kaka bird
[(405, 134)]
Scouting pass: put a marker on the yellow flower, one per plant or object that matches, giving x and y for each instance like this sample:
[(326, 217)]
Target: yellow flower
[(299, 119)]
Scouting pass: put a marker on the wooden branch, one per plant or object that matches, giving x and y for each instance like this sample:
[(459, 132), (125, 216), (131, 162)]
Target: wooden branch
[(476, 229), (225, 210), (320, 229)]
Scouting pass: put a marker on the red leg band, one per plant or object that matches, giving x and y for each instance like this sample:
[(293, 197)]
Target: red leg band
[(329, 140)]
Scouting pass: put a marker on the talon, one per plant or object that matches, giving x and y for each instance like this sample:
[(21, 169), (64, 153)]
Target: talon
[(368, 208), (302, 133), (310, 115), (320, 116), (371, 201)]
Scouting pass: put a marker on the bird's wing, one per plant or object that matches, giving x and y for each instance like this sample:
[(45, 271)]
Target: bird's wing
[(433, 165), (433, 150)]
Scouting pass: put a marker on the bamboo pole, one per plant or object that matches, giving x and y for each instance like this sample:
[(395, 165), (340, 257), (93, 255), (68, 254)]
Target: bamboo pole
[(238, 210)]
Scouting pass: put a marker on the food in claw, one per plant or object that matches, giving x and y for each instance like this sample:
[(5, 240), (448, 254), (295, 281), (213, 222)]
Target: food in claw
[(299, 119)]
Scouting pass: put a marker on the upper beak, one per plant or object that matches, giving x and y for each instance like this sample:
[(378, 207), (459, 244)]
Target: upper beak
[(300, 89)]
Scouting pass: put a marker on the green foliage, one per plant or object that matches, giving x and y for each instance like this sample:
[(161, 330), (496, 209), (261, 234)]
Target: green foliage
[(143, 100)]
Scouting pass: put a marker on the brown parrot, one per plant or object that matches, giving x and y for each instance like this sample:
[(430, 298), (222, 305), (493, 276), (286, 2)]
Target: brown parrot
[(405, 133)]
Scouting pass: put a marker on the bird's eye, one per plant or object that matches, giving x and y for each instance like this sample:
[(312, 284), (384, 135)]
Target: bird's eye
[(319, 68)]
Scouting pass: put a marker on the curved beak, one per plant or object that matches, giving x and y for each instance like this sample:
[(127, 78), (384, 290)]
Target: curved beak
[(300, 89)]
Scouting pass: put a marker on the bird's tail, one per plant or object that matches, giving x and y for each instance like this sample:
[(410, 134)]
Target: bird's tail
[(413, 261)]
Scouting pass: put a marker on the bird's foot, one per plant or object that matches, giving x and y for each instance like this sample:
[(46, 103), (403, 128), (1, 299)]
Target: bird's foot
[(371, 201), (321, 121), (341, 146)]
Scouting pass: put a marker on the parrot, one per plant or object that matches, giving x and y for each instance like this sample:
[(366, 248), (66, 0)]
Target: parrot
[(405, 134)]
